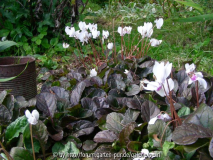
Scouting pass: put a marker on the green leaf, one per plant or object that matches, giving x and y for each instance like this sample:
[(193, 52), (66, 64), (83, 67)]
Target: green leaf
[(113, 122), (16, 127), (27, 32), (19, 153), (11, 78), (199, 144), (38, 41), (69, 147), (158, 129), (191, 4), (167, 146), (4, 32), (200, 18), (133, 90), (54, 41), (6, 44), (45, 43), (184, 111)]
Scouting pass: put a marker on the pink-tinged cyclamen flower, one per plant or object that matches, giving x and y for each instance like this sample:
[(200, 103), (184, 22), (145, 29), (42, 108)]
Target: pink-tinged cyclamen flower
[(159, 23), (161, 72), (165, 117), (195, 76)]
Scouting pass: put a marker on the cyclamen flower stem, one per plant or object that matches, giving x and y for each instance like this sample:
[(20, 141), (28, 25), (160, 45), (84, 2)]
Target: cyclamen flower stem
[(82, 59), (122, 56), (140, 54), (94, 50), (114, 55), (31, 133), (197, 94), (101, 47), (6, 153)]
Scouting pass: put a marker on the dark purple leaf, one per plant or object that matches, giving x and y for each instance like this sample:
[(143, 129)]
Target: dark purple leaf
[(82, 127), (46, 102), (116, 93), (88, 103), (95, 92), (58, 136), (60, 92), (130, 116), (149, 110), (189, 133), (89, 145), (146, 64), (76, 93), (5, 115), (96, 81), (105, 136), (211, 148), (75, 75), (113, 122), (125, 133), (203, 116), (101, 112), (133, 90), (101, 102)]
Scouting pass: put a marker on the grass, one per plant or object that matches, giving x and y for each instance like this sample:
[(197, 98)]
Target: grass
[(181, 41)]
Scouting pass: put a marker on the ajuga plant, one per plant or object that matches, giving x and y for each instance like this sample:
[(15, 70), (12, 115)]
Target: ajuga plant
[(131, 109)]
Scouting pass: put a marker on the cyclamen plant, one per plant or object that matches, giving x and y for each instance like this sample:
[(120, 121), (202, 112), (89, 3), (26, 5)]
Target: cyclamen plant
[(89, 32)]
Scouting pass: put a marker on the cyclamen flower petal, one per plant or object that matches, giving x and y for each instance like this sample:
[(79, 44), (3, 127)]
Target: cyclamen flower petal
[(165, 117), (127, 30), (70, 31), (155, 42), (32, 118), (83, 26), (159, 23), (93, 72), (84, 37), (105, 34), (92, 27), (189, 68), (95, 33), (65, 45), (110, 46), (146, 30), (126, 71)]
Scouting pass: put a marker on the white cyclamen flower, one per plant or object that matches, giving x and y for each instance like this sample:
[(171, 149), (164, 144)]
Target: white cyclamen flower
[(153, 10), (190, 9), (3, 39), (142, 156), (189, 68), (70, 31), (95, 33), (83, 26), (93, 72), (165, 117), (110, 46), (195, 76), (84, 37), (92, 27), (65, 45), (32, 118), (146, 30), (160, 85), (126, 71), (121, 31), (159, 23), (127, 30), (105, 34), (154, 42)]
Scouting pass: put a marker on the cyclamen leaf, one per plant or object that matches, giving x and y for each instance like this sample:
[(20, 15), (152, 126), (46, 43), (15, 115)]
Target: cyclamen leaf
[(60, 92), (19, 153), (89, 145), (16, 127), (105, 136), (46, 102), (76, 93), (188, 133), (211, 148), (130, 116)]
